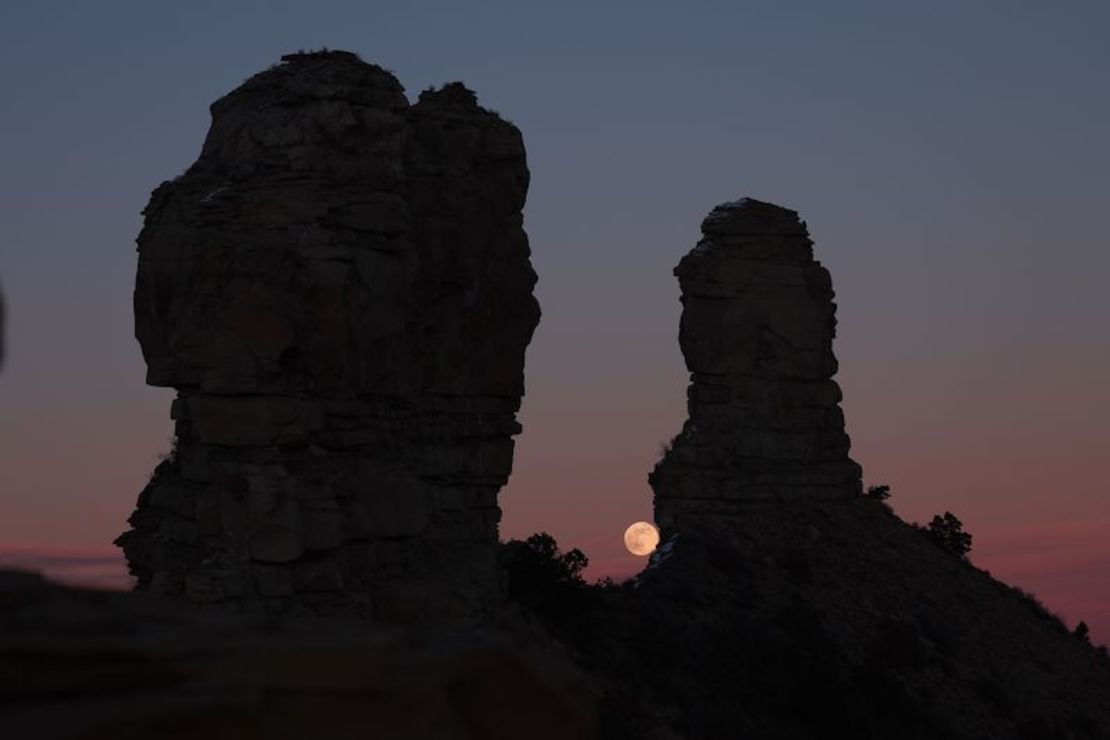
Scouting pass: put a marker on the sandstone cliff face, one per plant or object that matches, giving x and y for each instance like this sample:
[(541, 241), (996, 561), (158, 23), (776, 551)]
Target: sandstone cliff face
[(340, 291), (757, 326)]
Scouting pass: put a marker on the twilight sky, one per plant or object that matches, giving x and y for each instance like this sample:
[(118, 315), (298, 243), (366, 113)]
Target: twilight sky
[(951, 159)]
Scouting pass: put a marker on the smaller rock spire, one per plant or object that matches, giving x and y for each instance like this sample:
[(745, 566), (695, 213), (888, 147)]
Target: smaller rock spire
[(758, 320)]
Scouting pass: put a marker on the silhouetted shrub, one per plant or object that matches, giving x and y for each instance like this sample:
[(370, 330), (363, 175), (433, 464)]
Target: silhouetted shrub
[(171, 455), (878, 493), (948, 532), (607, 583), (167, 463)]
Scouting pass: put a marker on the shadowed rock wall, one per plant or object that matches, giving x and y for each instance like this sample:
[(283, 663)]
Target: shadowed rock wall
[(340, 291), (757, 326)]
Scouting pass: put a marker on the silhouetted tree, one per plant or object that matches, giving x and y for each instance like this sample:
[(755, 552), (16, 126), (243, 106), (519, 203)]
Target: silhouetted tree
[(549, 581), (540, 555), (948, 532), (1083, 632)]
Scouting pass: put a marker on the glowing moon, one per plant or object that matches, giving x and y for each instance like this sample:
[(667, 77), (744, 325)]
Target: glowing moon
[(641, 538)]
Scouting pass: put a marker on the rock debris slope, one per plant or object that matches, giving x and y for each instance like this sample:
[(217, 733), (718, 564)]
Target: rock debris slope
[(758, 320), (340, 291)]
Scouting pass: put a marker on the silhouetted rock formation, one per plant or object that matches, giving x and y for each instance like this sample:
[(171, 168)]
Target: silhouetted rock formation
[(831, 620), (757, 326), (340, 290), (81, 664), (784, 604)]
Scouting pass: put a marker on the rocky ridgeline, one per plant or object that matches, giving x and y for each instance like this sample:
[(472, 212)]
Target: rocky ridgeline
[(340, 291), (758, 320)]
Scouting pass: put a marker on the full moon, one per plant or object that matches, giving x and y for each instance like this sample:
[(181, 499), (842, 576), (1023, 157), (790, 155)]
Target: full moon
[(641, 538)]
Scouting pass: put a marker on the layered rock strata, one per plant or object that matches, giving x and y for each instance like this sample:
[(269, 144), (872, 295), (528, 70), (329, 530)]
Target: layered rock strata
[(758, 320), (341, 293)]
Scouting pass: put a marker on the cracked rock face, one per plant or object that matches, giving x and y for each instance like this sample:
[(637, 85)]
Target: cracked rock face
[(341, 293), (758, 320)]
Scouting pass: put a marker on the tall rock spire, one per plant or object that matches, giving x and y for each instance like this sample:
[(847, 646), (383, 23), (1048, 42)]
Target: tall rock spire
[(758, 320), (341, 293)]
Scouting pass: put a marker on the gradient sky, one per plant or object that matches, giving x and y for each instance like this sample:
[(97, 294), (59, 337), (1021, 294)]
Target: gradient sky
[(951, 159)]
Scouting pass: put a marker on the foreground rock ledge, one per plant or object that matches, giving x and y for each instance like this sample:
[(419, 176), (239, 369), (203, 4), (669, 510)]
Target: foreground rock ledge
[(86, 664), (340, 291), (765, 424)]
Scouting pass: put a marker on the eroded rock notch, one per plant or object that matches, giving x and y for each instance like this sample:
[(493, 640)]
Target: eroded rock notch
[(758, 320), (341, 293)]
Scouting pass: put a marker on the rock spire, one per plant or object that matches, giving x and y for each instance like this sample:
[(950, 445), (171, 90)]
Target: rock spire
[(758, 320), (340, 291)]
